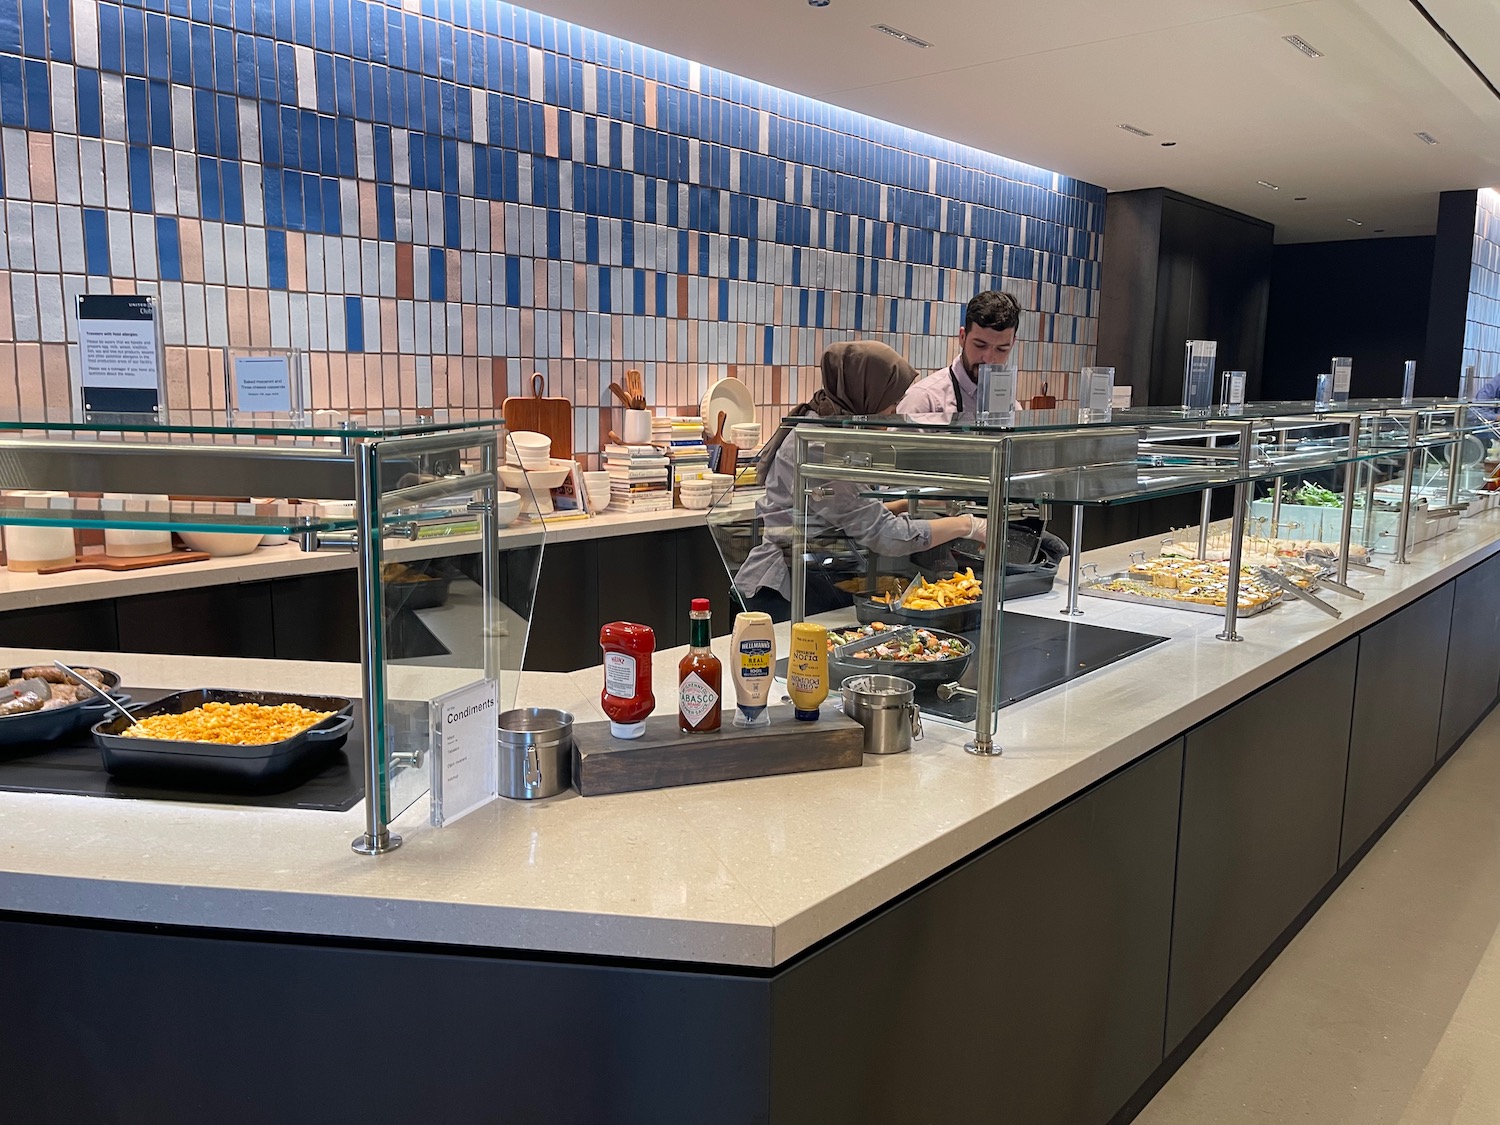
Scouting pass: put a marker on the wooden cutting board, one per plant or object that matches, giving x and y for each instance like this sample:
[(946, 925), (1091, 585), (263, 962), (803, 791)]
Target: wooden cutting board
[(140, 562), (550, 416), (723, 456)]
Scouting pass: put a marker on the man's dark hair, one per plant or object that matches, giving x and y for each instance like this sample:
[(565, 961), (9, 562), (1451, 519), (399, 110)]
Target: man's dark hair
[(993, 310)]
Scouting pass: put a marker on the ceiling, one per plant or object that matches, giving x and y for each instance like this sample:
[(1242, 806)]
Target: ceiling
[(1050, 82)]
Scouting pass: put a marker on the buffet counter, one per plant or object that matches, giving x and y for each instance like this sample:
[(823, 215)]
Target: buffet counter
[(919, 938)]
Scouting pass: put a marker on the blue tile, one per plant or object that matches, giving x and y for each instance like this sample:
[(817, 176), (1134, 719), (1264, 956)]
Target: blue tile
[(13, 93), (205, 122), (308, 129), (415, 117), (323, 76), (295, 21), (363, 92), (328, 147), (88, 99), (210, 199), (111, 46), (96, 242), (271, 191), (34, 28), (378, 40), (450, 166), (134, 21), (168, 248), (276, 272), (343, 40), (437, 274), (513, 275), (38, 83), (385, 212), (395, 38), (333, 222), (140, 178), (384, 172), (312, 204), (202, 38), (380, 95), (10, 27), (359, 28), (246, 83), (451, 229), (244, 15), (286, 73), (232, 186), (322, 26), (224, 76), (137, 112), (354, 325), (343, 86), (229, 126)]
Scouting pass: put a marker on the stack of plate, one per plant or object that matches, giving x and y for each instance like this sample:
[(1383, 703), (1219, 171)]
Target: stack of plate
[(528, 449)]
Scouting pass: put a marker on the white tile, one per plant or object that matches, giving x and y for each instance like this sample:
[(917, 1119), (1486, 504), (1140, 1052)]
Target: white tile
[(184, 136), (255, 257), (297, 320), (364, 150), (523, 178), (116, 175), (281, 329), (406, 333), (424, 377), (307, 79), (484, 274), (64, 93), (371, 306), (91, 171), (387, 280), (333, 265), (85, 32), (213, 253), (421, 263), (163, 181), (455, 329), (18, 226), (314, 257), (480, 113), (249, 129), (466, 282), (349, 207), (402, 198), (235, 268), (352, 250), (112, 98), (195, 315), (70, 238), (325, 323), (438, 326), (216, 300), (418, 219), (73, 284), (17, 156), (465, 168), (255, 200), (466, 235), (23, 307), (370, 268), (173, 328), (51, 311), (486, 334), (482, 225), (400, 156), (435, 218), (44, 238)]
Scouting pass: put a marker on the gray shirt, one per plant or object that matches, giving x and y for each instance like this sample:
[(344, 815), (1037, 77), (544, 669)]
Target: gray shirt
[(842, 511)]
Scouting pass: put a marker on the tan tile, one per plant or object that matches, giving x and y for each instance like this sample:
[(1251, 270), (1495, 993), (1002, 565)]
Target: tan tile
[(390, 376), (549, 132), (338, 381), (57, 385), (317, 365), (369, 220), (497, 228), (470, 315), (43, 171), (354, 367), (407, 365), (439, 381), (6, 331), (10, 391), (455, 277), (405, 281), (239, 317), (190, 247), (260, 318), (30, 381), (388, 323), (651, 106), (200, 388), (216, 382), (177, 378), (296, 261), (123, 286)]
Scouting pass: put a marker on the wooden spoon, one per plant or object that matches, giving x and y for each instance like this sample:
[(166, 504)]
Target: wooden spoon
[(620, 393)]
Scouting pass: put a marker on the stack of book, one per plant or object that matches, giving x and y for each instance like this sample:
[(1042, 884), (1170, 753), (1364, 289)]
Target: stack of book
[(681, 439), (638, 478)]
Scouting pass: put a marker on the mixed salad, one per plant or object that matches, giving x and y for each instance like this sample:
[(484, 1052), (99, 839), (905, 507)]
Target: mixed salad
[(921, 646), (1314, 496)]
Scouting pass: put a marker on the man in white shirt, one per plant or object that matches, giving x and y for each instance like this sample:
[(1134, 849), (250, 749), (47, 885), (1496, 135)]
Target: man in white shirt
[(988, 335)]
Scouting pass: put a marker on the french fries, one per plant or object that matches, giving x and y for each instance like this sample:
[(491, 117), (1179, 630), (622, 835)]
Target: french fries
[(962, 589)]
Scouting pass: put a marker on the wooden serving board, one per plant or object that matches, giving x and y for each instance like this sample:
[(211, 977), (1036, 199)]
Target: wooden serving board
[(140, 562), (664, 756), (550, 416)]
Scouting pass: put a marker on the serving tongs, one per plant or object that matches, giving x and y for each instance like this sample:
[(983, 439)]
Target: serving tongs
[(104, 695), (1282, 582), (901, 632)]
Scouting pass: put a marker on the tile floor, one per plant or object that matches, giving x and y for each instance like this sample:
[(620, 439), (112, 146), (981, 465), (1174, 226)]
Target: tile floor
[(1385, 1009)]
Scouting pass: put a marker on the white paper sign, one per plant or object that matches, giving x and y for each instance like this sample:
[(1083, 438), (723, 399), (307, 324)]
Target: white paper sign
[(1098, 389), (996, 393), (1234, 388), (1343, 369), (465, 750), (262, 384)]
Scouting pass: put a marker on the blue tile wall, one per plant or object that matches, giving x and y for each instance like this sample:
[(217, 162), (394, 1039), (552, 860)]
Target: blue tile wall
[(439, 201), (1482, 329)]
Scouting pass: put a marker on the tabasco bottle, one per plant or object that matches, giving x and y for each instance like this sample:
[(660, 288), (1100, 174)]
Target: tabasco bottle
[(700, 676)]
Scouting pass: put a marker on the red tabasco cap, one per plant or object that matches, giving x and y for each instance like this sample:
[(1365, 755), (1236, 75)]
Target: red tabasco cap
[(700, 605)]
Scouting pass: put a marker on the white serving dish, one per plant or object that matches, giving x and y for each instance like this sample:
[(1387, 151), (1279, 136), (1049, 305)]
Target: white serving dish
[(507, 508), (528, 449), (535, 485), (732, 397), (221, 544)]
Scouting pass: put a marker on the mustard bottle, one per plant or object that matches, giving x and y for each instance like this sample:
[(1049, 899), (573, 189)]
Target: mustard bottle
[(807, 670)]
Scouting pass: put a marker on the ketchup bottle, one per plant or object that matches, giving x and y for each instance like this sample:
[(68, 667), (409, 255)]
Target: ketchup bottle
[(627, 698)]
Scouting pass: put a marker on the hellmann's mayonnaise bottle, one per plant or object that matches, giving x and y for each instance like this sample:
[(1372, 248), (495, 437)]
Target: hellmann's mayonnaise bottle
[(752, 658)]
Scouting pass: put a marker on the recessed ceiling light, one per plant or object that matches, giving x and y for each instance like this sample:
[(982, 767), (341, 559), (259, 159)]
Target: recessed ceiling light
[(1268, 184), (1428, 137), (1304, 46), (1168, 144), (1136, 129), (1356, 222), (1299, 199), (1380, 230), (894, 33)]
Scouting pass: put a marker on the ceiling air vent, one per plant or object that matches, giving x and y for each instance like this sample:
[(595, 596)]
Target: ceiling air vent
[(894, 33), (1137, 130), (1304, 46), (1428, 137)]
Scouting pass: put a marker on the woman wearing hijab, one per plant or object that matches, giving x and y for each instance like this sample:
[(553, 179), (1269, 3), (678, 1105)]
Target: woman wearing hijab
[(860, 377)]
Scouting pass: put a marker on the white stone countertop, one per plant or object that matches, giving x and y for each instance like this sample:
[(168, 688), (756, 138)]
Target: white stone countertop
[(24, 591), (745, 873)]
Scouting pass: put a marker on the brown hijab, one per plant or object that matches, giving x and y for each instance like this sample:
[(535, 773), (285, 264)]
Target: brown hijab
[(859, 377)]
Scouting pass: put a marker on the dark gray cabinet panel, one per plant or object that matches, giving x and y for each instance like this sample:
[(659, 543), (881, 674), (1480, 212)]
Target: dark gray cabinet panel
[(233, 620), (1262, 802), (1473, 677), (1398, 699), (1025, 987)]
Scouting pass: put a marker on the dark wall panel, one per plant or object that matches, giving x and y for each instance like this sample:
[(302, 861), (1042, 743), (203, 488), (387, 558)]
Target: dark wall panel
[(1473, 676), (1365, 299), (1448, 300), (1398, 699), (233, 620), (1026, 987), (88, 626), (1262, 802)]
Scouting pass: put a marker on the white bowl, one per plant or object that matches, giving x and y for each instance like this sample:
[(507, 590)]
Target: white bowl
[(746, 435), (698, 502), (221, 544), (336, 509), (507, 508), (527, 445), (596, 479), (598, 498)]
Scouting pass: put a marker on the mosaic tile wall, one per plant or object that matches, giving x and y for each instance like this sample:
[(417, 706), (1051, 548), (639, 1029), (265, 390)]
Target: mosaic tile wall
[(439, 196), (1482, 330)]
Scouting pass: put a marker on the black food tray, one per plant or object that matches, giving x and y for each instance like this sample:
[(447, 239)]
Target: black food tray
[(258, 764), (31, 727), (929, 672), (1020, 582)]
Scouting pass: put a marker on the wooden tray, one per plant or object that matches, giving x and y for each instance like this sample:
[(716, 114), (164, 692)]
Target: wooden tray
[(140, 562), (664, 756), (550, 416)]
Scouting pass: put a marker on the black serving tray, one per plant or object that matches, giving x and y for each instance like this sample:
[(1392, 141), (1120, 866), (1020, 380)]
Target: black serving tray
[(253, 764), (31, 727), (921, 673)]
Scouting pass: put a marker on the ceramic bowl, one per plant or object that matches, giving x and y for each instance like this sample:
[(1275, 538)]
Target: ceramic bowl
[(221, 544), (527, 448), (507, 508)]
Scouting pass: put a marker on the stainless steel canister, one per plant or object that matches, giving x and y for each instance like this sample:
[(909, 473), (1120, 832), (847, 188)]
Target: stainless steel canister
[(884, 706), (536, 752)]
